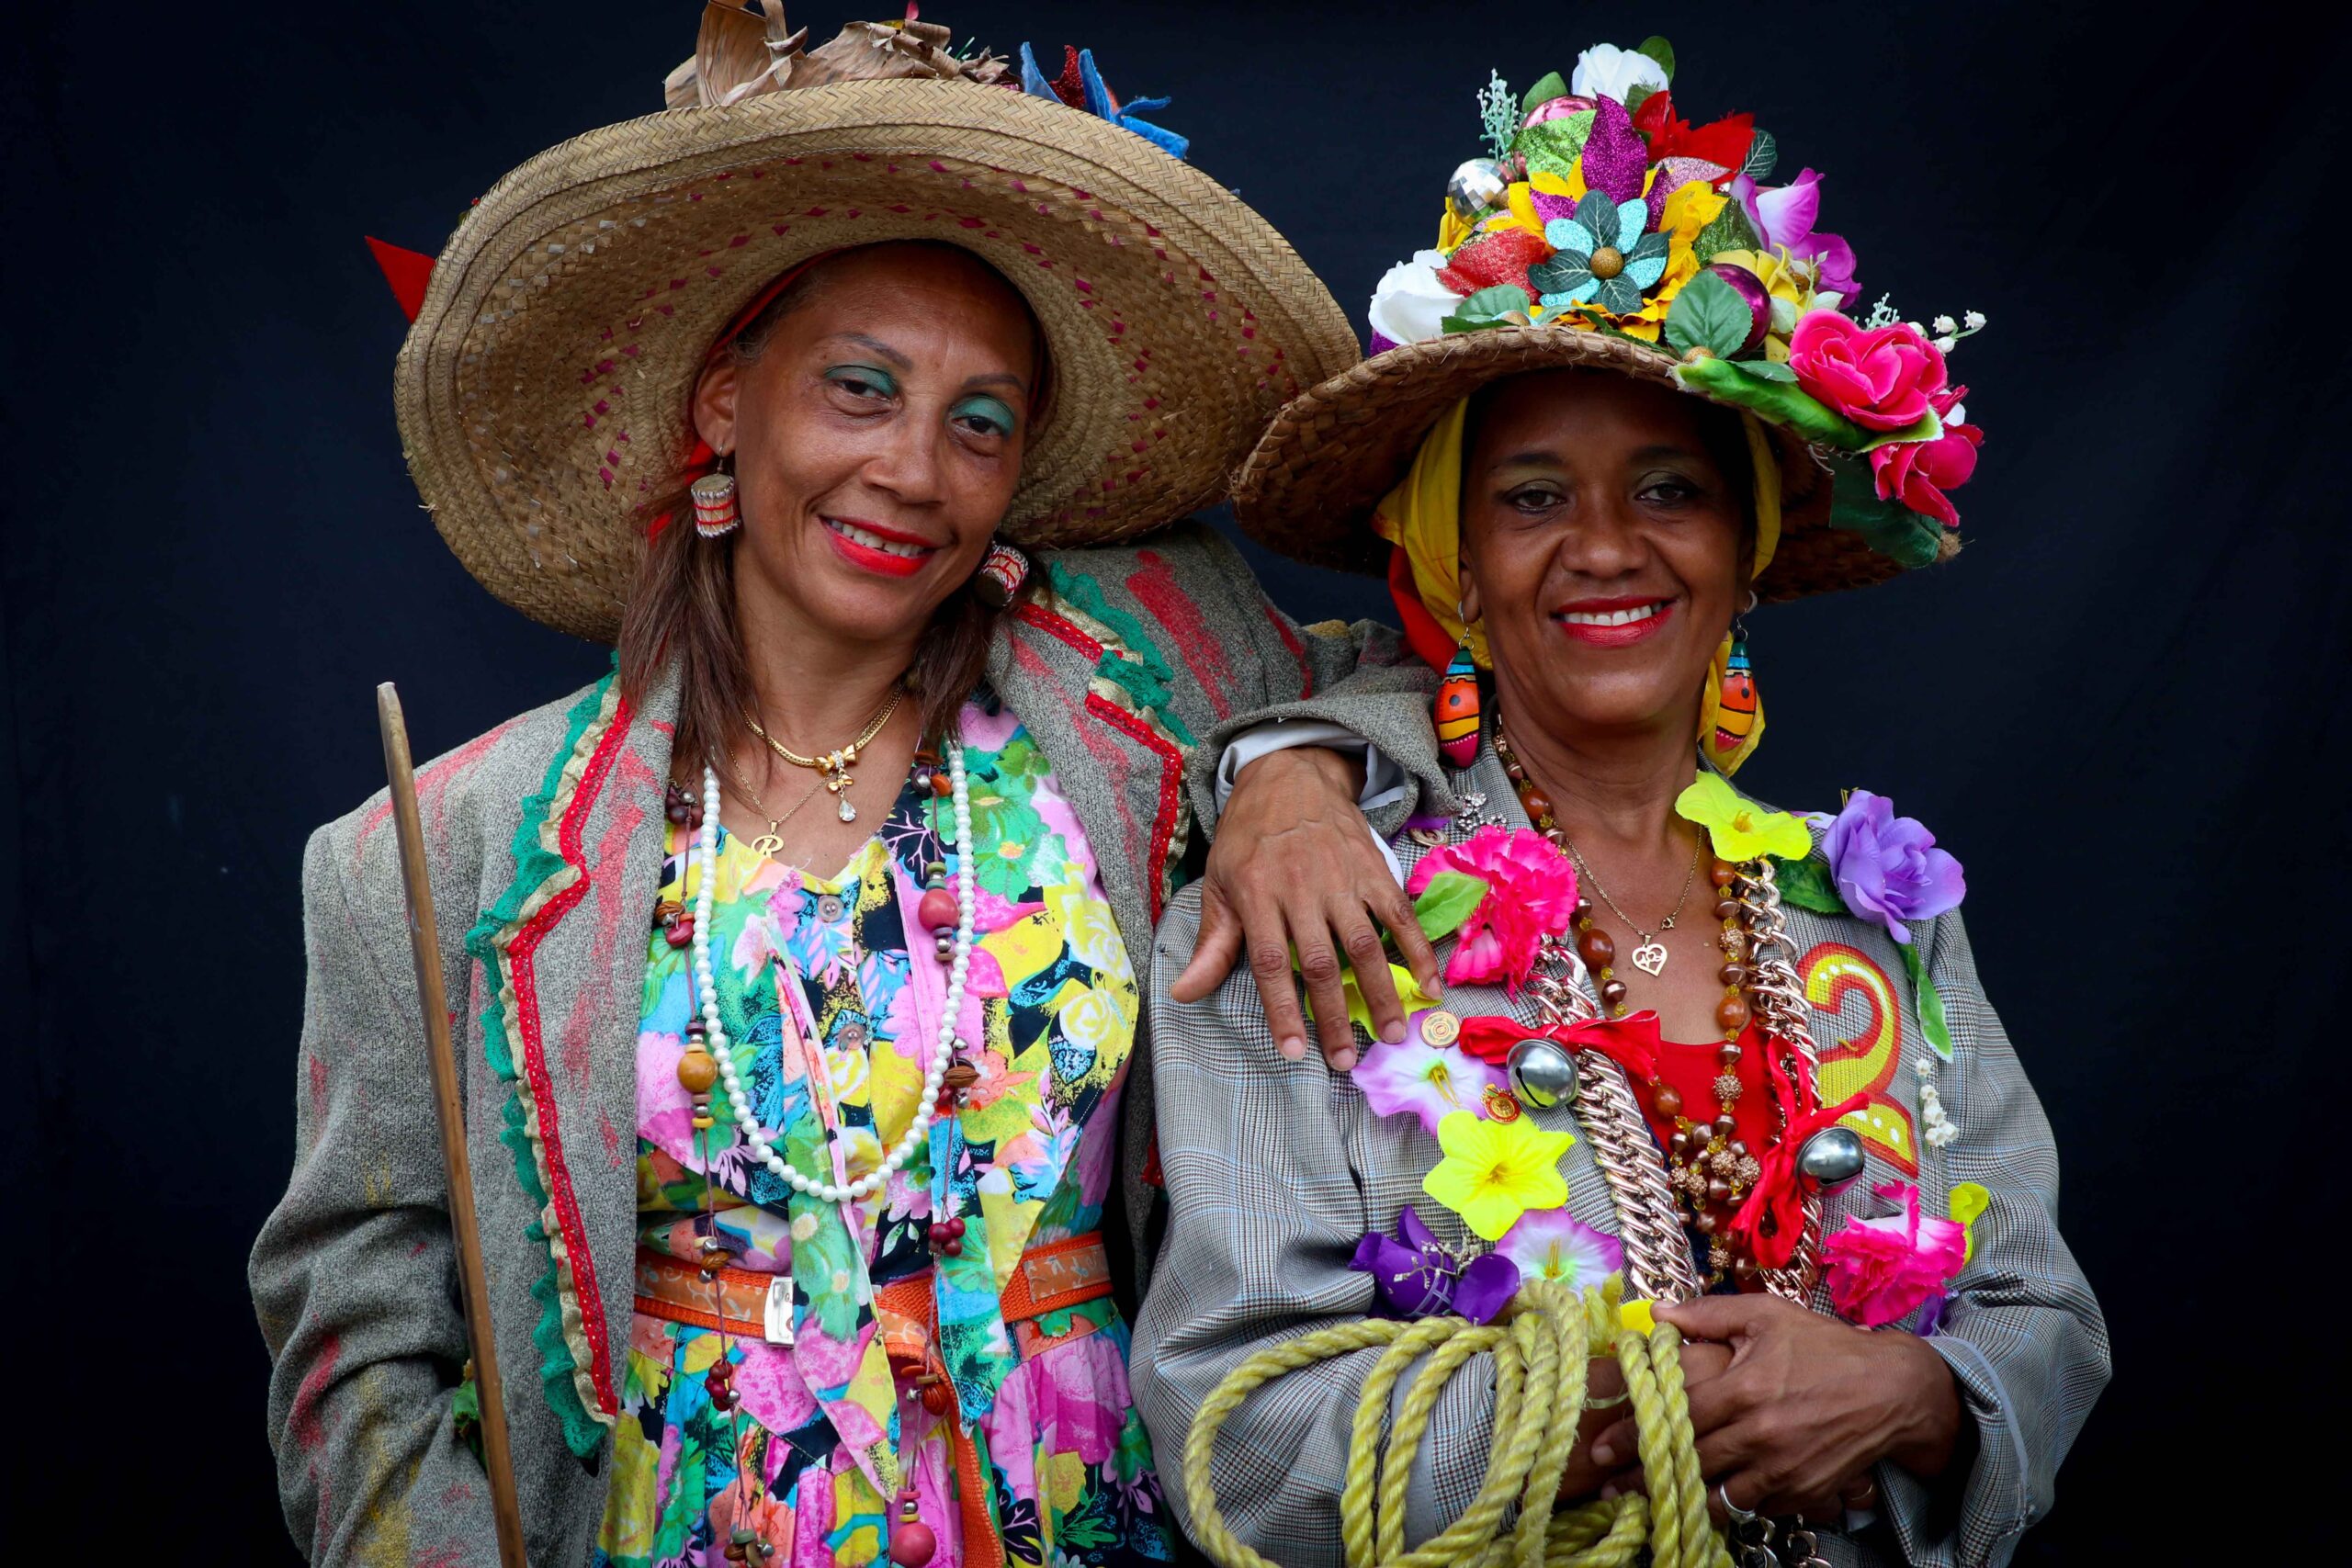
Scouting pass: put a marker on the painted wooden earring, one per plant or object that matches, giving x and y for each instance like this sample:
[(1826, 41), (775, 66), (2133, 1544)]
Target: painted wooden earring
[(1455, 711)]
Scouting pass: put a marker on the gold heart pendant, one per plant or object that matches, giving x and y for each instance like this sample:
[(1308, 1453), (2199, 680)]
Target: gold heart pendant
[(1650, 957)]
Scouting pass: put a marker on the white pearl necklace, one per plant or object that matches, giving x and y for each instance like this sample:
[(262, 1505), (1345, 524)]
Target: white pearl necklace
[(934, 1076)]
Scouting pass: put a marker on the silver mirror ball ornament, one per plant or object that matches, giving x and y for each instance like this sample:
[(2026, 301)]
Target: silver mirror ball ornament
[(1832, 1157), (1477, 188), (1541, 1074)]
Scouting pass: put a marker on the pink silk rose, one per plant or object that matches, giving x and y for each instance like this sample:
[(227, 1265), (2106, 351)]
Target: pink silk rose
[(1530, 894), (1919, 473), (1881, 379)]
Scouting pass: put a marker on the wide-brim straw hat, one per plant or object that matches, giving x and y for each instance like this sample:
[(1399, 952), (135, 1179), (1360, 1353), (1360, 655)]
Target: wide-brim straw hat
[(1309, 487), (543, 390)]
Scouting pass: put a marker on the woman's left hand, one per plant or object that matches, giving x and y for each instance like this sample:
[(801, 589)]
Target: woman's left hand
[(1808, 1405)]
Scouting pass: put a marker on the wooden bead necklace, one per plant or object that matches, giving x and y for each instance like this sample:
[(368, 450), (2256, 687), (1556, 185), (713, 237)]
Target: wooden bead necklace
[(1709, 1166)]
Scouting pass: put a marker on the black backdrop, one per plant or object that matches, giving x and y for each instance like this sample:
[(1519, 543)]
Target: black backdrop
[(2118, 707)]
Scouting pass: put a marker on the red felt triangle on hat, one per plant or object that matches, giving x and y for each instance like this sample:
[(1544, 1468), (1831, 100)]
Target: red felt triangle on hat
[(407, 271)]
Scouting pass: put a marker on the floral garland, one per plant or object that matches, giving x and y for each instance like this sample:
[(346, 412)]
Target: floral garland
[(1601, 210), (1508, 896)]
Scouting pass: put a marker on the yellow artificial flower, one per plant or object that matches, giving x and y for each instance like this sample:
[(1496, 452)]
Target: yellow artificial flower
[(1495, 1171), (1969, 1199), (1409, 995), (1739, 827)]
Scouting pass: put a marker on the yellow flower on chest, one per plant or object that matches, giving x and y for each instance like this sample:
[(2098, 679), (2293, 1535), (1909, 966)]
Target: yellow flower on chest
[(1495, 1171)]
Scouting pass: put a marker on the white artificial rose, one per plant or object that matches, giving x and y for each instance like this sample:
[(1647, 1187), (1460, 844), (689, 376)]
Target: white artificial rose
[(1604, 71), (1411, 305)]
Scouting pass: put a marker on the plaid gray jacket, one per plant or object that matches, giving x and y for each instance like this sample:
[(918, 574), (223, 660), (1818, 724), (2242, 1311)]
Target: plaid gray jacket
[(1275, 1171)]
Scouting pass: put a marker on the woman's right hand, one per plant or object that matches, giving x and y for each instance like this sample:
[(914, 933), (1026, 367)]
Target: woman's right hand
[(1584, 1478)]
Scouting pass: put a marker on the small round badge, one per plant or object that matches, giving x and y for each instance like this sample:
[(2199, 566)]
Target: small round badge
[(1440, 1027)]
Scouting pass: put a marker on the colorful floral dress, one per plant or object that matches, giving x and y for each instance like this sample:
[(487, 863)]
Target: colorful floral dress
[(817, 974)]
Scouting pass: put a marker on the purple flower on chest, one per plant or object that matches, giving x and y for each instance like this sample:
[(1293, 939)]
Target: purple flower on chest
[(1887, 867)]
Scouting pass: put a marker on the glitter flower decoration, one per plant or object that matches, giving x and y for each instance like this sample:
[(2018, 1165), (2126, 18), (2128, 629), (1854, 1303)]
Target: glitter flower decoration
[(1416, 1275), (1553, 1245), (1530, 894), (1600, 256), (1495, 1171), (1412, 1078)]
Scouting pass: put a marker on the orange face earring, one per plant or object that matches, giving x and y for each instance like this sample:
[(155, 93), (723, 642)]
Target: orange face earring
[(1740, 713), (1455, 710)]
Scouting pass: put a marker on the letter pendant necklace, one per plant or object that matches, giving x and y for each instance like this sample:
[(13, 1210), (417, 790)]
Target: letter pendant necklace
[(772, 841), (832, 767)]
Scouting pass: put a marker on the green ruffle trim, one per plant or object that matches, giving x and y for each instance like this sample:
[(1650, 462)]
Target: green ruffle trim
[(534, 864), (1137, 667)]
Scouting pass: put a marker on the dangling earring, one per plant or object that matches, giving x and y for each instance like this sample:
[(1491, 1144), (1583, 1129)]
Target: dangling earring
[(1737, 710), (1002, 571), (714, 499), (1456, 710)]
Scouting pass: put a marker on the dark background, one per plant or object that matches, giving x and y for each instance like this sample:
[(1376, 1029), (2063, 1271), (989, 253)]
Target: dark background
[(2118, 708)]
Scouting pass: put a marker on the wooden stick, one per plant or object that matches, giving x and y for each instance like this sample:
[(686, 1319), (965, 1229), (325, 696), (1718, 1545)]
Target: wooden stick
[(424, 946)]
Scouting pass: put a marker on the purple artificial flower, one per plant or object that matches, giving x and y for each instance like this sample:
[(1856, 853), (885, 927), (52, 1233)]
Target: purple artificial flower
[(1887, 867), (1783, 217), (1552, 1244), (1418, 1276)]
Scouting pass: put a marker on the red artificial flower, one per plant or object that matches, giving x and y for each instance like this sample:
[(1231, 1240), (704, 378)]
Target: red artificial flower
[(1723, 143), (1500, 257)]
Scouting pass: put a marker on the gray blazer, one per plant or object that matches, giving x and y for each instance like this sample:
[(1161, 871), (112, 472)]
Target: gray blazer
[(1275, 1169), (545, 839)]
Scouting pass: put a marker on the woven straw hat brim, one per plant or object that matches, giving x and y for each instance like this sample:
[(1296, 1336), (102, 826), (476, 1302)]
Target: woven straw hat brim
[(542, 393), (1309, 487)]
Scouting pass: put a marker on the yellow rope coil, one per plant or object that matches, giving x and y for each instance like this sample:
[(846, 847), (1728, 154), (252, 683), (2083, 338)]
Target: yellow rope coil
[(1542, 1343)]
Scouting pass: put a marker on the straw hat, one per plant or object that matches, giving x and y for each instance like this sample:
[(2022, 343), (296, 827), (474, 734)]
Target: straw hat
[(1620, 237), (543, 390)]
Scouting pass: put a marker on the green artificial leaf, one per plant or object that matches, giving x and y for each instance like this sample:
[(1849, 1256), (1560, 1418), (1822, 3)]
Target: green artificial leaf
[(1636, 93), (1806, 883), (1762, 153), (1446, 902), (1551, 147), (1932, 1021), (1710, 314), (1779, 402), (1727, 230), (1767, 370), (1927, 428), (1891, 528), (1550, 85), (1657, 49), (1489, 308)]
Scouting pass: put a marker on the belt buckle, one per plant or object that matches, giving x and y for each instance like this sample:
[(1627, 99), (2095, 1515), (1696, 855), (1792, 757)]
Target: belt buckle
[(776, 1313)]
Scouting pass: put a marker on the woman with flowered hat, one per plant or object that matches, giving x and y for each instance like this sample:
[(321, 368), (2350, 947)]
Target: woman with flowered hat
[(804, 988), (1735, 1057)]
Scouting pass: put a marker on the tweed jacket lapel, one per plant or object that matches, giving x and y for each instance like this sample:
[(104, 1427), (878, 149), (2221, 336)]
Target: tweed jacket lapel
[(565, 948)]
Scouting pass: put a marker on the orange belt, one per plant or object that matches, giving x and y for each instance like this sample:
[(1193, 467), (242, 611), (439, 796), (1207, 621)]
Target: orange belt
[(754, 1305)]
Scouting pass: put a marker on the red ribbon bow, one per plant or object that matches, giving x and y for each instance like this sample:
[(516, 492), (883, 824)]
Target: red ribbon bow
[(1632, 1042)]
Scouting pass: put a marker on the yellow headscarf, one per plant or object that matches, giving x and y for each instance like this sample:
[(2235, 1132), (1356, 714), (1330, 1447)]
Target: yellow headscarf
[(1422, 517)]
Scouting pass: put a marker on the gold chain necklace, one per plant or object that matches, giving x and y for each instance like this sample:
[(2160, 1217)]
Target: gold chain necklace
[(1649, 953), (771, 842), (833, 767)]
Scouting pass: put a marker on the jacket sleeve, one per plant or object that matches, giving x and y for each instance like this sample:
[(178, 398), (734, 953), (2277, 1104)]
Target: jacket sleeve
[(354, 1276), (2024, 1335), (1266, 1209), (1361, 677)]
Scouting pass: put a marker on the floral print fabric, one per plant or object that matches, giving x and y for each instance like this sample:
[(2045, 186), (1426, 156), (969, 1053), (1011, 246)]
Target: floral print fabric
[(818, 976)]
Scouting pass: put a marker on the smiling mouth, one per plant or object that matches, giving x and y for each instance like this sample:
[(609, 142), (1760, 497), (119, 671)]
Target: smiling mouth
[(905, 550), (1613, 618)]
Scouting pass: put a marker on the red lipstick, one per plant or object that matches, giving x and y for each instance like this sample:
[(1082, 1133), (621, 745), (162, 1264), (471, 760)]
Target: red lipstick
[(1613, 634)]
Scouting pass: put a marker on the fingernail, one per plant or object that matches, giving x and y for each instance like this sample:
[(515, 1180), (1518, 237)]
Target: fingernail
[(1608, 1493), (1393, 1033), (1604, 1454), (1343, 1059), (1294, 1048)]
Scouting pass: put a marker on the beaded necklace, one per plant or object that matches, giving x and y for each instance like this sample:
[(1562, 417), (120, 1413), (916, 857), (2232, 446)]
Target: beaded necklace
[(1709, 1167)]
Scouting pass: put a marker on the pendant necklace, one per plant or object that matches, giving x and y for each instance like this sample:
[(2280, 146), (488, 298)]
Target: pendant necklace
[(832, 767), (1649, 953), (771, 842)]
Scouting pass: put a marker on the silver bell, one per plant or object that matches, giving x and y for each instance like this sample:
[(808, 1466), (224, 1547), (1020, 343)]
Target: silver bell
[(1832, 1157), (1541, 1074), (1477, 188)]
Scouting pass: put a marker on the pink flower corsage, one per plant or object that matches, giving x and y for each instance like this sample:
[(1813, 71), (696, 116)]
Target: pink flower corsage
[(1884, 1269), (1530, 894)]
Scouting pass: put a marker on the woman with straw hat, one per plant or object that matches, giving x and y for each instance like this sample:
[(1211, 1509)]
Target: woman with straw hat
[(1738, 1057), (801, 997)]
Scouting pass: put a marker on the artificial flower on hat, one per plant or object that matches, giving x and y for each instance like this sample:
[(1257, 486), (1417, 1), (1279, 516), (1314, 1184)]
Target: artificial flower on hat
[(1602, 208)]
